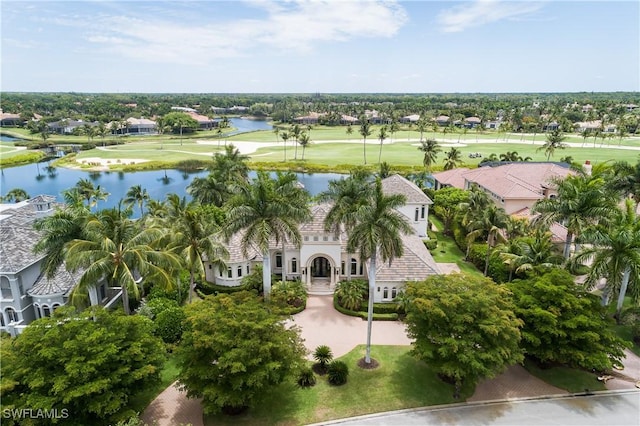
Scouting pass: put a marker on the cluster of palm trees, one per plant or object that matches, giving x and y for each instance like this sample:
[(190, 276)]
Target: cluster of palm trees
[(300, 137), (602, 232)]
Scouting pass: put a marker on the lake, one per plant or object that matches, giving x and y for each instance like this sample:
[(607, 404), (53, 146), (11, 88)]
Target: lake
[(37, 179)]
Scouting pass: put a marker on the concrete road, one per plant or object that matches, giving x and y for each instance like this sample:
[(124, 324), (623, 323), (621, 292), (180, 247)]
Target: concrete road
[(616, 408)]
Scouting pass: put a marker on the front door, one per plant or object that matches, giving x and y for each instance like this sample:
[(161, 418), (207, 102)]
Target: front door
[(320, 267)]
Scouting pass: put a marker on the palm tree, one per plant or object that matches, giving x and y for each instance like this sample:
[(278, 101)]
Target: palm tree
[(210, 190), (626, 179), (285, 137), (382, 135), (553, 142), (295, 132), (365, 131), (422, 125), (377, 232), (86, 189), (99, 195), (534, 251), (117, 248), (431, 148), (453, 157), (16, 195), (262, 214), (137, 194), (304, 141), (349, 131), (347, 196), (492, 221), (193, 237), (581, 201), (615, 255)]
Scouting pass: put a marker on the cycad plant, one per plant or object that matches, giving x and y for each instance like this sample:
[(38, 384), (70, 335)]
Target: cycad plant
[(323, 355), (337, 373)]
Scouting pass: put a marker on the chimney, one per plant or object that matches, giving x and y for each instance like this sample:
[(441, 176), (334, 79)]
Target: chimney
[(587, 167)]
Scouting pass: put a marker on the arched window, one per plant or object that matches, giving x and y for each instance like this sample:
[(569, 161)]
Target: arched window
[(54, 307), (361, 269), (385, 293), (354, 266), (416, 216), (229, 272), (36, 308), (1, 320), (422, 211), (278, 260), (220, 272), (247, 269), (239, 271), (46, 312), (294, 265), (342, 267), (12, 315), (394, 292)]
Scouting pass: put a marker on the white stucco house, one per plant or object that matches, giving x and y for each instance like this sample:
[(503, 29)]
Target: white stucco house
[(322, 259), (26, 294)]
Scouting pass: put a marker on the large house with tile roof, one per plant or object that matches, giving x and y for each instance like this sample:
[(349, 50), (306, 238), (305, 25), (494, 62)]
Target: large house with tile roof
[(26, 294), (322, 259)]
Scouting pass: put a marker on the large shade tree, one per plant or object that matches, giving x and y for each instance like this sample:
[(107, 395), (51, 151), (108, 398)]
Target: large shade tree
[(235, 350), (377, 234), (87, 365), (463, 326)]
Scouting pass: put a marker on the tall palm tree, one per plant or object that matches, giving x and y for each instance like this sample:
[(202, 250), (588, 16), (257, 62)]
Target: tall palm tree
[(492, 221), (615, 255), (86, 189), (261, 213), (304, 141), (553, 142), (137, 194), (626, 179), (117, 248), (347, 196), (422, 126), (453, 157), (99, 195), (285, 137), (377, 233), (365, 131), (16, 195), (211, 189), (295, 132), (382, 135), (581, 201), (193, 237), (431, 148)]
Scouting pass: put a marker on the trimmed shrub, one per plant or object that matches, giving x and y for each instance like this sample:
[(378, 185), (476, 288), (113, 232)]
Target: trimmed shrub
[(431, 244), (363, 315), (337, 373), (207, 288), (158, 305), (289, 295), (352, 293), (170, 324), (306, 378)]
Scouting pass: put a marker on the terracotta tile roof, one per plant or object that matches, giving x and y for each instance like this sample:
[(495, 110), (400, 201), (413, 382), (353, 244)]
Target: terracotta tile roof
[(453, 177), (414, 265), (558, 231), (396, 184), (522, 180)]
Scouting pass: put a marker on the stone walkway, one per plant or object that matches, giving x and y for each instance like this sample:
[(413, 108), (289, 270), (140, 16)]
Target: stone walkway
[(323, 325)]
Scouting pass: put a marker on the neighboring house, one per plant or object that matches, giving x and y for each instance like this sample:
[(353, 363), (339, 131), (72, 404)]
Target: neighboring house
[(512, 186), (141, 126), (67, 127), (442, 120), (322, 259), (413, 118), (8, 119), (472, 122), (590, 126), (492, 124), (347, 119), (26, 294), (204, 122), (311, 118)]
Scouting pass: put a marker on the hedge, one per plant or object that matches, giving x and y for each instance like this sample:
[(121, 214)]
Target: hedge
[(363, 315), (211, 288)]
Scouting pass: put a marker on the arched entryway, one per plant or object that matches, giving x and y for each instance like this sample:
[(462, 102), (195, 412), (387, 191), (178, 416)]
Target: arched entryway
[(320, 267)]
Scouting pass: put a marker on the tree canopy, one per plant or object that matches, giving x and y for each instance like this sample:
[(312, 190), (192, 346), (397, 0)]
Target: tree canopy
[(88, 363), (564, 324), (234, 349), (464, 326)]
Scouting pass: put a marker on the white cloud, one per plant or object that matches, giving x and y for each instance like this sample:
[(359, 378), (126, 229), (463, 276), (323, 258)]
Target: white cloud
[(482, 12), (286, 25)]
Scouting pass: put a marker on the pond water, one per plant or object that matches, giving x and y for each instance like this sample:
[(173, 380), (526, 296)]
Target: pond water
[(5, 138), (38, 179), (244, 125)]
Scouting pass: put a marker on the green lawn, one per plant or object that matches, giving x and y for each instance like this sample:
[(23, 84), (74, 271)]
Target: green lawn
[(566, 378), (448, 251), (400, 382)]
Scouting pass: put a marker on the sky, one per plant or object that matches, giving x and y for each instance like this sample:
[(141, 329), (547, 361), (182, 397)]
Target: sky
[(324, 46)]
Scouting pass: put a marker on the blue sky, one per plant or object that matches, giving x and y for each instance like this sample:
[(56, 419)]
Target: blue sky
[(334, 46)]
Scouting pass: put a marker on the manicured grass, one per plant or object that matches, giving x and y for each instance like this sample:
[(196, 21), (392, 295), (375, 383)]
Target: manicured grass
[(448, 251), (168, 375), (400, 382), (569, 379), (624, 332)]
